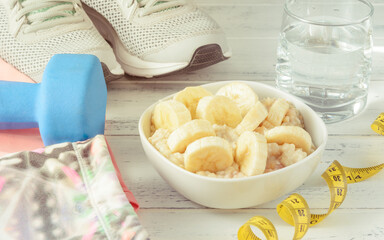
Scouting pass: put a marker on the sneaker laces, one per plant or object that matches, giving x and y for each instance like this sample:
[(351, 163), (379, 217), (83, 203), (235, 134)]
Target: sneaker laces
[(46, 14), (148, 7)]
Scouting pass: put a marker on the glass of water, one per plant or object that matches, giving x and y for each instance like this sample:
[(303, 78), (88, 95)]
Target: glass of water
[(324, 55)]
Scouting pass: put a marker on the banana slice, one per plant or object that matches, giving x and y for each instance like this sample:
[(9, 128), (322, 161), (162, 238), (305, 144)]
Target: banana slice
[(170, 115), (211, 154), (277, 112), (241, 94), (188, 133), (290, 134), (219, 110), (253, 118), (251, 153), (190, 97)]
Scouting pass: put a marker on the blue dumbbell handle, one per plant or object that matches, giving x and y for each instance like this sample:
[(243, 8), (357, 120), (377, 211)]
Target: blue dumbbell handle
[(17, 104)]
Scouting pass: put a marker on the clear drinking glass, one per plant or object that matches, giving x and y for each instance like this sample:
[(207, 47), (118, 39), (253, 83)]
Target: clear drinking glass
[(324, 55)]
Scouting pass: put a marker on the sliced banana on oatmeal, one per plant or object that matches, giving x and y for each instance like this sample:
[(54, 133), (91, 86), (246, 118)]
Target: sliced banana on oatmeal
[(253, 118), (242, 94), (211, 154), (188, 133), (191, 96), (277, 113), (170, 115), (219, 110), (251, 153), (290, 134)]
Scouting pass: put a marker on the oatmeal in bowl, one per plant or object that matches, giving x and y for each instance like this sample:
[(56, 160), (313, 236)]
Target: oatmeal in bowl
[(241, 139), (240, 134)]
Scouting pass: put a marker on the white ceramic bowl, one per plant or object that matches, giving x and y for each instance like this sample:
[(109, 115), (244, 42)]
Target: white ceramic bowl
[(241, 192)]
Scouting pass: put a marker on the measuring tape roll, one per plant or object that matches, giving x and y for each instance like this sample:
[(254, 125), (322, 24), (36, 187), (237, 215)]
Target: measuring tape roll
[(295, 210)]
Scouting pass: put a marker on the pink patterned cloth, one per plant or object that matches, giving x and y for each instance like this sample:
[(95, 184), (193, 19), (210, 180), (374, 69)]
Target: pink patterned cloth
[(17, 140), (65, 191)]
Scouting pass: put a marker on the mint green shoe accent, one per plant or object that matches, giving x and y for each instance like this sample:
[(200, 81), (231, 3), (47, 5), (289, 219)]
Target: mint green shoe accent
[(153, 6), (42, 14), (44, 9)]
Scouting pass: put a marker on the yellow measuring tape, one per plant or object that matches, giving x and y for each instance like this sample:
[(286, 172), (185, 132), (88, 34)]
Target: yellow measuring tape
[(378, 124), (294, 209)]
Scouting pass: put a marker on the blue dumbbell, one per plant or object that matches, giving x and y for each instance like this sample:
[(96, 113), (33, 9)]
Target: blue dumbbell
[(68, 105)]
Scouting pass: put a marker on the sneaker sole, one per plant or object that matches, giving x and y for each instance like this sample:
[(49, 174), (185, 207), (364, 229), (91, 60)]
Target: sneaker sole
[(203, 56)]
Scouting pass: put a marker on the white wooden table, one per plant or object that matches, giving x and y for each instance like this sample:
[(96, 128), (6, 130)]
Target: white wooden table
[(252, 27)]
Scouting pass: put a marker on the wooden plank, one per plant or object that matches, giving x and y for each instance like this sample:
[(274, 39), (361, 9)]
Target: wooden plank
[(211, 224), (260, 2), (153, 192), (254, 59), (127, 100), (264, 21)]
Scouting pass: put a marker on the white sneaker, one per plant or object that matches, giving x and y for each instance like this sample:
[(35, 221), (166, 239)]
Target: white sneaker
[(32, 31), (158, 37)]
